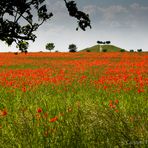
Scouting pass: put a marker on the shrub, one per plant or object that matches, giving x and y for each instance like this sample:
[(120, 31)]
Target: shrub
[(88, 50), (122, 50), (131, 50), (139, 50), (104, 50), (72, 48)]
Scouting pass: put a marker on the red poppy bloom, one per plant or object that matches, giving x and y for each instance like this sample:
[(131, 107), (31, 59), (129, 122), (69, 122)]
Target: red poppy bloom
[(3, 113), (53, 119), (39, 110), (24, 89), (116, 101)]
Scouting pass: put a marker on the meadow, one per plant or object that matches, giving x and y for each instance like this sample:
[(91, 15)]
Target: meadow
[(74, 100)]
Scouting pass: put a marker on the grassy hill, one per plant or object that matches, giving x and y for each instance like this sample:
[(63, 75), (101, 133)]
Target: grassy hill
[(96, 48)]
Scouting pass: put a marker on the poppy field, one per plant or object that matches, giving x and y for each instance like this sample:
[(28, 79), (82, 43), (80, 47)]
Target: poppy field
[(73, 100)]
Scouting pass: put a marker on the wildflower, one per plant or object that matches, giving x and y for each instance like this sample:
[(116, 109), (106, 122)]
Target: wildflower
[(24, 89), (140, 90), (110, 104), (113, 106), (3, 112), (83, 77), (39, 110), (116, 111), (53, 119), (105, 87), (110, 101), (116, 101)]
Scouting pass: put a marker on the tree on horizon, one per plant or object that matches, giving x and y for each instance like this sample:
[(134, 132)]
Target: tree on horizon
[(50, 46), (72, 48)]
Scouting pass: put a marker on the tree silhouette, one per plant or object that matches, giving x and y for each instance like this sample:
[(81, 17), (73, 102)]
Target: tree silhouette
[(50, 46), (83, 19), (72, 48), (139, 50), (12, 12), (131, 50), (108, 42), (122, 50)]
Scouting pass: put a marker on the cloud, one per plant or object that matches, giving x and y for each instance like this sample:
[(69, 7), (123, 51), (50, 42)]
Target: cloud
[(111, 12), (138, 7), (90, 9), (118, 16)]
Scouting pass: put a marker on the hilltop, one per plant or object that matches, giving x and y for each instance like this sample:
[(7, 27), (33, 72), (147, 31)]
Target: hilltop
[(96, 48)]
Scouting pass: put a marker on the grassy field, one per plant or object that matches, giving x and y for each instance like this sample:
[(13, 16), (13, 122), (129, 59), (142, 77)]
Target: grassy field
[(74, 100), (96, 48)]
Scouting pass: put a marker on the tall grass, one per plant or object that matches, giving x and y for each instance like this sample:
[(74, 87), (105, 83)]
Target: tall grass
[(82, 113)]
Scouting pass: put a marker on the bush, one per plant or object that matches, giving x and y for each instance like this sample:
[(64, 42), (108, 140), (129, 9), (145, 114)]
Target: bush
[(88, 50), (72, 48), (139, 50), (122, 50), (104, 50), (131, 50)]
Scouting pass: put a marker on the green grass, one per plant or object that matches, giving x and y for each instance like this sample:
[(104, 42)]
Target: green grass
[(22, 66), (96, 48), (87, 119), (84, 114)]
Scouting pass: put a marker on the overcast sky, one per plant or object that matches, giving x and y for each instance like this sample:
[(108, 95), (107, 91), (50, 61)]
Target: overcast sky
[(123, 22)]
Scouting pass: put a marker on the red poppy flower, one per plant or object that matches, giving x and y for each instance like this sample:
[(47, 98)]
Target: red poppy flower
[(116, 101), (39, 110), (3, 112), (53, 119)]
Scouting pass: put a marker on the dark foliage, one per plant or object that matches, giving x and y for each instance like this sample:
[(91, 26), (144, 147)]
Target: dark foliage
[(108, 42), (83, 19), (88, 50), (101, 42), (104, 50), (12, 12), (72, 48), (139, 50), (122, 50), (131, 50)]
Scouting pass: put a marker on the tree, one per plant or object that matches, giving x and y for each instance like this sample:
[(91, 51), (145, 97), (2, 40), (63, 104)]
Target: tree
[(50, 46), (100, 44), (23, 46), (108, 42), (122, 50), (139, 50), (131, 50), (72, 48), (83, 19), (12, 12)]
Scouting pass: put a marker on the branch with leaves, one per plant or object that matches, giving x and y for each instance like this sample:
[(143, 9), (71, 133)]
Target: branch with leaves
[(12, 12), (83, 18)]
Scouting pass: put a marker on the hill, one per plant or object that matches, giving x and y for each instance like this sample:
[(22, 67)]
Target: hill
[(96, 48)]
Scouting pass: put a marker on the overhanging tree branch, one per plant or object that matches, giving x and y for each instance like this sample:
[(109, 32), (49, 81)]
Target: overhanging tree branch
[(11, 11)]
